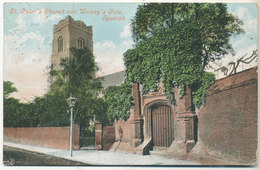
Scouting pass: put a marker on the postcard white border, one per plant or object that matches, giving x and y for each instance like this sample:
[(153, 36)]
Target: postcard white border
[(257, 2)]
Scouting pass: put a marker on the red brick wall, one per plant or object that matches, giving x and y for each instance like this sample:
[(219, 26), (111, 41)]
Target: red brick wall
[(104, 136), (108, 137), (51, 137), (125, 135), (228, 120), (98, 136)]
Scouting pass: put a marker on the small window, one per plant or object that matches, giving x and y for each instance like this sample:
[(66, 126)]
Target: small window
[(81, 43), (60, 44)]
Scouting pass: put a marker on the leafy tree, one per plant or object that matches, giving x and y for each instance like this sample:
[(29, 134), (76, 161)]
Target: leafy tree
[(174, 44), (10, 111), (17, 114), (172, 55), (10, 104), (26, 117), (9, 88), (216, 25), (119, 101), (52, 110), (77, 78)]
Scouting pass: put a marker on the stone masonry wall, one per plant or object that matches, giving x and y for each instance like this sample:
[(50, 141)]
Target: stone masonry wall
[(51, 137), (70, 30), (228, 121)]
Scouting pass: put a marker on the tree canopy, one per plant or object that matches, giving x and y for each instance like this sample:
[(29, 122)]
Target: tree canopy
[(119, 102), (75, 78), (16, 113), (216, 25), (174, 44), (9, 88)]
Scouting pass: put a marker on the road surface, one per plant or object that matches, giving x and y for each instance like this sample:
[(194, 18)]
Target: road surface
[(19, 157)]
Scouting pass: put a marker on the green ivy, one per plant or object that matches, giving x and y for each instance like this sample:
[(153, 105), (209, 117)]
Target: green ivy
[(173, 56), (119, 101), (200, 89)]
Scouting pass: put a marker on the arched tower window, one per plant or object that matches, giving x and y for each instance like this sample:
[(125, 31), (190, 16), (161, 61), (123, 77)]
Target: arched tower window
[(60, 44), (81, 43)]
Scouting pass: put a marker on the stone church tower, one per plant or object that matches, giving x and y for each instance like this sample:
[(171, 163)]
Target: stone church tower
[(69, 33)]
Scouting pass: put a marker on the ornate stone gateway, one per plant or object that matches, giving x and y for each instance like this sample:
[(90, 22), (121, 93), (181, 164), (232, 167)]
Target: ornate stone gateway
[(162, 126), (168, 127)]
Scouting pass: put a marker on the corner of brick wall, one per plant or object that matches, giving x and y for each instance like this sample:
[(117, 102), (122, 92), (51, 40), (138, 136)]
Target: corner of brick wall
[(123, 135), (104, 136), (108, 137), (98, 136), (76, 136), (228, 120)]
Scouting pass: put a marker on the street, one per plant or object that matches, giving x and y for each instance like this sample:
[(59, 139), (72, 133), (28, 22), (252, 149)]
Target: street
[(19, 157)]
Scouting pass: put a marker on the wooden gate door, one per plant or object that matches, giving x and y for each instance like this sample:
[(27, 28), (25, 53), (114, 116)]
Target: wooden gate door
[(162, 126)]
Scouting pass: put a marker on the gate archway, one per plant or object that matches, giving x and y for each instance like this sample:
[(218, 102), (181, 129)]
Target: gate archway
[(159, 123)]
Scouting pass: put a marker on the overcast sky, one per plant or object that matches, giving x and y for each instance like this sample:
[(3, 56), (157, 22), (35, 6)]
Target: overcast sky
[(28, 39)]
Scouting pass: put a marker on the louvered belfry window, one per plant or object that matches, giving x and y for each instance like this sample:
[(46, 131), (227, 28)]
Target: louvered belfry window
[(81, 43)]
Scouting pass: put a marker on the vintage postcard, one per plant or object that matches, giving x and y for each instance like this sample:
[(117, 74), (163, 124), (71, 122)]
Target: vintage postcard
[(133, 84)]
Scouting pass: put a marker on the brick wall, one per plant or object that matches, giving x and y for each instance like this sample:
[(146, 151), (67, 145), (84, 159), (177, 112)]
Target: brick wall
[(104, 136), (51, 137), (228, 120), (98, 136), (124, 136), (117, 137), (227, 123), (108, 137), (123, 131)]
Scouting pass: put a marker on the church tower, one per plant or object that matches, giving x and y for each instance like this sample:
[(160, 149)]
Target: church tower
[(69, 33)]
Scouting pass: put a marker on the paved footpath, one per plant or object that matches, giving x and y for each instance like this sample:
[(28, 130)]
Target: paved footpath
[(94, 157)]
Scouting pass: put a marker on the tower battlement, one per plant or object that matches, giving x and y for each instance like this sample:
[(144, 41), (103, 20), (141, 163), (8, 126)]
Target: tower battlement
[(70, 21)]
